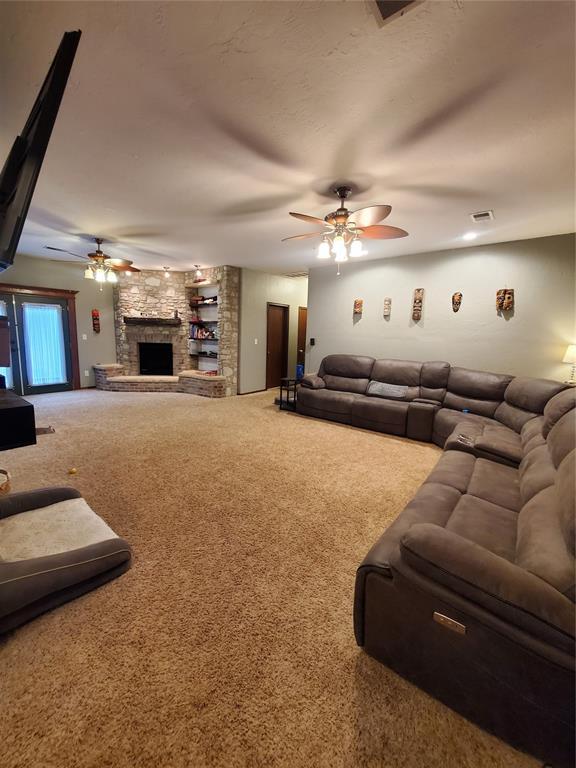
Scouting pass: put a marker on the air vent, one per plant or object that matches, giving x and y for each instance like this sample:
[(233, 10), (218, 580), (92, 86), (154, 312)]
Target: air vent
[(482, 216)]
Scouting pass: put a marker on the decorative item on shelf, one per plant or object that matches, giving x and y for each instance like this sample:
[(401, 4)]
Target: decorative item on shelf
[(505, 299), (195, 300), (456, 301), (176, 315), (4, 481), (198, 277), (358, 306), (417, 303), (166, 272), (96, 321), (570, 357), (387, 307)]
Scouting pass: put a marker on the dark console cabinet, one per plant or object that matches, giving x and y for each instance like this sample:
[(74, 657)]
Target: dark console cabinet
[(17, 425)]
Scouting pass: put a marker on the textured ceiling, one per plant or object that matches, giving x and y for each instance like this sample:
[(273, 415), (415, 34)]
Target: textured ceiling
[(189, 130)]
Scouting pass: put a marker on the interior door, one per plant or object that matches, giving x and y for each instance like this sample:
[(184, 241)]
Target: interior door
[(301, 348), (276, 344)]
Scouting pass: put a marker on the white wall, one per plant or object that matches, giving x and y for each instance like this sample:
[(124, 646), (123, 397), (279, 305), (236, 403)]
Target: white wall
[(531, 343), (43, 273), (258, 288)]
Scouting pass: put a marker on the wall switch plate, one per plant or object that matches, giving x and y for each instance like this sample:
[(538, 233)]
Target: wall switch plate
[(255, 341), (84, 337), (86, 373)]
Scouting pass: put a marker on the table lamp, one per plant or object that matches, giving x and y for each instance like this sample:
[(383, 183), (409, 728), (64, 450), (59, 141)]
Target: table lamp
[(570, 357)]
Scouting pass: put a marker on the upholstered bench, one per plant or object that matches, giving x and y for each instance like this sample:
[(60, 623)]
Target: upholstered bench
[(53, 548)]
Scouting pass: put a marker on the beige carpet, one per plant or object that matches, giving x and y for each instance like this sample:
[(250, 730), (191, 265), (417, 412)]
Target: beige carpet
[(230, 641)]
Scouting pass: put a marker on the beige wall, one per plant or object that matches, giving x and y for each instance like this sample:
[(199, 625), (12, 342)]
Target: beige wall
[(532, 342), (43, 273), (258, 288)]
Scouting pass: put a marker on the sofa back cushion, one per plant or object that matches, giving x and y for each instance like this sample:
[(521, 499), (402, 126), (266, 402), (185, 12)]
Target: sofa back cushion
[(524, 399), (565, 487), (478, 391), (541, 546), (346, 373), (556, 408), (401, 373), (536, 471), (434, 379), (561, 438)]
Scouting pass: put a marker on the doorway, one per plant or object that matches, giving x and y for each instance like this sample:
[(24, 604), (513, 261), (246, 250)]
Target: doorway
[(276, 343), (301, 344), (42, 325)]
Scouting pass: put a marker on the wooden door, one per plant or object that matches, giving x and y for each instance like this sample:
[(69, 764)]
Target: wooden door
[(276, 344), (301, 349)]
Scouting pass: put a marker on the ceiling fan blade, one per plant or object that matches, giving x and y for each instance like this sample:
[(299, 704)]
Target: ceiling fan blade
[(366, 217), (382, 232), (305, 217), (115, 262), (62, 250), (302, 237)]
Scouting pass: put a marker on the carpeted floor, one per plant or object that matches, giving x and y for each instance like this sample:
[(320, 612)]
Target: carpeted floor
[(230, 641)]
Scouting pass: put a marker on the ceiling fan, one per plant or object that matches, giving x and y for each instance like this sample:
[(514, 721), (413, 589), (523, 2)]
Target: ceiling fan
[(343, 229), (100, 267)]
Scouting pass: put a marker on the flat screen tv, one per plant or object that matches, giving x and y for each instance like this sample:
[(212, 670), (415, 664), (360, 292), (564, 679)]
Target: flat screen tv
[(23, 164)]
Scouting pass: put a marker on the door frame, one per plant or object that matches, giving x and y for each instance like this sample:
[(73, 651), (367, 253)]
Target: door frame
[(55, 293), (298, 336), (285, 339)]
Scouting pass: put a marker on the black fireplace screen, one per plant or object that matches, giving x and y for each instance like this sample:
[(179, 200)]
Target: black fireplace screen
[(155, 359)]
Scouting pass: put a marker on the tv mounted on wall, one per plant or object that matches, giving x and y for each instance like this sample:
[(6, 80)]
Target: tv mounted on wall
[(23, 164)]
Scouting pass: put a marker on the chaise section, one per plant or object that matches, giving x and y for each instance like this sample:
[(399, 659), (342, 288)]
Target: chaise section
[(470, 592)]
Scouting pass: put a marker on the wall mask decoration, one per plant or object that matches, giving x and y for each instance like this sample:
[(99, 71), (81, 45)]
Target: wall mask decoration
[(417, 303), (387, 307), (358, 306), (505, 299), (456, 301), (96, 321)]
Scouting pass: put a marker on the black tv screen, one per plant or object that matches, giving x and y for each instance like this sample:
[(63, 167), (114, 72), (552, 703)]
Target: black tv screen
[(23, 164)]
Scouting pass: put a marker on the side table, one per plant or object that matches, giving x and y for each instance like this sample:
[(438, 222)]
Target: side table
[(288, 388)]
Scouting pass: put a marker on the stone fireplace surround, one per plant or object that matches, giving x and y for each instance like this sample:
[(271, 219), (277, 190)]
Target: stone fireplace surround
[(150, 294)]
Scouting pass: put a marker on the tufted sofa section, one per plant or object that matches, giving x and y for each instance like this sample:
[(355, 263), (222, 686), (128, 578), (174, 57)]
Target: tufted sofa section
[(478, 412)]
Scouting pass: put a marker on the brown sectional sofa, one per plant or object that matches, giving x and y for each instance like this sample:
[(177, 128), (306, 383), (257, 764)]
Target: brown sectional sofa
[(470, 592)]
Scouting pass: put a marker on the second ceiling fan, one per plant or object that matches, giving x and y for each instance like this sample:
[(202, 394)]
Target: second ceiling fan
[(344, 230)]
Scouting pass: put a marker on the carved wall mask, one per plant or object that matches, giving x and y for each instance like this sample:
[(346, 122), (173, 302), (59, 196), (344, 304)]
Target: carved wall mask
[(456, 301), (417, 303), (387, 307)]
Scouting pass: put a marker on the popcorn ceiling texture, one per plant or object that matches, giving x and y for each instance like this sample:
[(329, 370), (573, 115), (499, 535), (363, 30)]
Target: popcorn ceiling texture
[(229, 644)]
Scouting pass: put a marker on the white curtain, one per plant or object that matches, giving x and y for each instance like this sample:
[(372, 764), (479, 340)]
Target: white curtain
[(44, 344), (6, 372)]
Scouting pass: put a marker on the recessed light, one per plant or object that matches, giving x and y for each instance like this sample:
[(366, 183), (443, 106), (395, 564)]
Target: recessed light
[(469, 236)]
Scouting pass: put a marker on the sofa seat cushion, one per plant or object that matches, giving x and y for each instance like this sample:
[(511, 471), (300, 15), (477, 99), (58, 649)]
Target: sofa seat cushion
[(61, 527), (490, 440), (496, 483), (489, 525), (455, 469), (383, 415), (446, 420), (328, 400)]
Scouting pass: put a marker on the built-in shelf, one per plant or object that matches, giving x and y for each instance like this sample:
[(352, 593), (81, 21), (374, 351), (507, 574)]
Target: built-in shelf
[(203, 304), (203, 322), (152, 320), (195, 339), (205, 355)]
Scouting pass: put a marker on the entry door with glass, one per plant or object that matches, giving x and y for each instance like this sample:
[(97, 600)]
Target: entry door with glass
[(40, 340)]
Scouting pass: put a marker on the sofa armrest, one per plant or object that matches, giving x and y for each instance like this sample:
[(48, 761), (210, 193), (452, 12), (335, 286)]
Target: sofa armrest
[(420, 420), (312, 381), (15, 503), (486, 579)]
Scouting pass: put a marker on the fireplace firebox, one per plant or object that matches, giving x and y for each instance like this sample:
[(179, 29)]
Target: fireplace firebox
[(155, 359)]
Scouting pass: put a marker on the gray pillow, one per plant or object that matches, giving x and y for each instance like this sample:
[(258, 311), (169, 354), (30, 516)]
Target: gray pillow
[(391, 391)]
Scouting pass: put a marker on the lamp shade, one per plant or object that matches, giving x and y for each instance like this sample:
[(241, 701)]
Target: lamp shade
[(570, 356)]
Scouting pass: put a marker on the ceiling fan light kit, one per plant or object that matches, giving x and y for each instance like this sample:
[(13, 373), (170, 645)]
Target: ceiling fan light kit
[(101, 267), (344, 229)]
